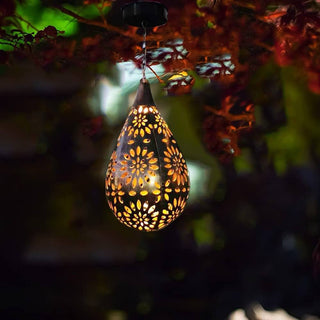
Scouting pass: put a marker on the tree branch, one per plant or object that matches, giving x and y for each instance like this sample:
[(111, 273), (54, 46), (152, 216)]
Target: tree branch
[(103, 25), (27, 22)]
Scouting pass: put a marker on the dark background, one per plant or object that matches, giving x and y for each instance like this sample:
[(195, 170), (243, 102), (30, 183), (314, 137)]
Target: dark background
[(247, 234)]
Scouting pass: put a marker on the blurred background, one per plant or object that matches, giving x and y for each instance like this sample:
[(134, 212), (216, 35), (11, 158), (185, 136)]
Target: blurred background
[(246, 117)]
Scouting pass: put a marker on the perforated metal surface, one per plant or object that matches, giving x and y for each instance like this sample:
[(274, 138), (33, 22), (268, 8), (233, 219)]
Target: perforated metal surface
[(147, 181)]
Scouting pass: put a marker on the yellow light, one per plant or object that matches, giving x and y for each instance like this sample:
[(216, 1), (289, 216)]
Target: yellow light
[(178, 76), (147, 180)]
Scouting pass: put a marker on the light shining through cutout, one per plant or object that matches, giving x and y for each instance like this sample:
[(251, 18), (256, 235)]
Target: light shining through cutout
[(147, 180)]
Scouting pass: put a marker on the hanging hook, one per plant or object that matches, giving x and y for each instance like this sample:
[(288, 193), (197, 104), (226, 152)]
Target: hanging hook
[(144, 48)]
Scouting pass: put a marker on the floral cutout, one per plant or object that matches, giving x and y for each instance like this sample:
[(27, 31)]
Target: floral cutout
[(136, 165), (141, 215), (111, 169), (139, 123), (115, 193), (161, 126), (177, 206), (176, 165)]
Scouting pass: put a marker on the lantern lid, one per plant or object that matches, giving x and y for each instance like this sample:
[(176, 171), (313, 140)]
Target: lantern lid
[(144, 96)]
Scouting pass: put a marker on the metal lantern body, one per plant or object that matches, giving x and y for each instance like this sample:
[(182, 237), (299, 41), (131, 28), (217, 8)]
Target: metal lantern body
[(147, 180)]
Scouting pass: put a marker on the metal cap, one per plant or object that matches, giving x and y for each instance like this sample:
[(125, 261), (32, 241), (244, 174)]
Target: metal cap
[(151, 14), (144, 96)]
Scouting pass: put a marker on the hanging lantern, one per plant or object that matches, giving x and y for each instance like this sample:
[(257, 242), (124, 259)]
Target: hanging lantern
[(147, 180)]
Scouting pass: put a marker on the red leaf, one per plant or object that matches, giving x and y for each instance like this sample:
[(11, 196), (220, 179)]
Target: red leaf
[(51, 31), (92, 126), (314, 81)]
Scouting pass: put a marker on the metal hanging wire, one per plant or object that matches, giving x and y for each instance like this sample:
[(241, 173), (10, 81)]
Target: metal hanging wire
[(144, 48)]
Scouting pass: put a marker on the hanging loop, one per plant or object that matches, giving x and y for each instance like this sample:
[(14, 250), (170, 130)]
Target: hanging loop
[(144, 50), (145, 14)]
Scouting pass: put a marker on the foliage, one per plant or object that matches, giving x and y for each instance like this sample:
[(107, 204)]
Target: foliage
[(242, 78), (224, 41)]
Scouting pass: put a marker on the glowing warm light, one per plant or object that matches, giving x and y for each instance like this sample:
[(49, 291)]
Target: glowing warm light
[(178, 76), (147, 181)]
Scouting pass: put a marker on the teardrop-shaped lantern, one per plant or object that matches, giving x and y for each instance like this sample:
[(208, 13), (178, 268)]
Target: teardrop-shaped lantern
[(147, 181)]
